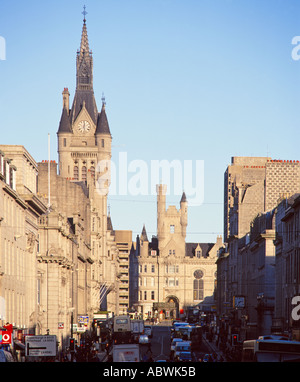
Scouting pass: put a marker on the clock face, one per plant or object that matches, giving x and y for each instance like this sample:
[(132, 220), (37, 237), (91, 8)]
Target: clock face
[(84, 126)]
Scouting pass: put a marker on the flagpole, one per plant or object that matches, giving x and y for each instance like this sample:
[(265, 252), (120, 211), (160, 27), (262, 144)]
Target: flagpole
[(48, 171)]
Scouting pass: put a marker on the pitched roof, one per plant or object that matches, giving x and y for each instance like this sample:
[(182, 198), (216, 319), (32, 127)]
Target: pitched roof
[(84, 87), (109, 224), (84, 187), (144, 234), (64, 124), (191, 247), (90, 104), (102, 122)]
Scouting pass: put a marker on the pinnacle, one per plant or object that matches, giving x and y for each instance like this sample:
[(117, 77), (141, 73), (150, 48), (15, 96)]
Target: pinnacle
[(84, 46)]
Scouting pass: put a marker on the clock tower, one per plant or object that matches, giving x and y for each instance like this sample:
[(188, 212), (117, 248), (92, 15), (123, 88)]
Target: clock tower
[(84, 138), (84, 150)]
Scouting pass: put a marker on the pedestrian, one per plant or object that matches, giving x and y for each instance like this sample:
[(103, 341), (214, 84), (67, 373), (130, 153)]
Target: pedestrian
[(107, 348)]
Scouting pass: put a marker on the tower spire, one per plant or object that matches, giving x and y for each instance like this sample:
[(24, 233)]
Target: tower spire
[(84, 45), (84, 14), (84, 78)]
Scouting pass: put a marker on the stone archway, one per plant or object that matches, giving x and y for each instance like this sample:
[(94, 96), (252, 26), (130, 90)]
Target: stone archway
[(172, 303)]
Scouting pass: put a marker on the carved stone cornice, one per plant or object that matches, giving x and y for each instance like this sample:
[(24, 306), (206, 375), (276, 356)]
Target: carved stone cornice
[(60, 260)]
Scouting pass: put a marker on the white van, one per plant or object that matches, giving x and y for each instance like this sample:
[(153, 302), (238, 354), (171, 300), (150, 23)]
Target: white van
[(182, 346)]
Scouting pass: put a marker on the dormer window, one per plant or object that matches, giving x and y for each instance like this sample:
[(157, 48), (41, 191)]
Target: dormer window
[(198, 251)]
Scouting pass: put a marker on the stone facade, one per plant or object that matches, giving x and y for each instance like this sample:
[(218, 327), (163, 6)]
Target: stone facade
[(172, 274), (256, 278), (65, 254), (84, 150), (59, 258), (287, 263), (252, 189), (282, 178), (20, 210), (243, 194), (123, 240)]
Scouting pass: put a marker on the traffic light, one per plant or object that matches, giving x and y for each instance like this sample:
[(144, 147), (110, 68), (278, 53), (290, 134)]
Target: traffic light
[(72, 344), (234, 339)]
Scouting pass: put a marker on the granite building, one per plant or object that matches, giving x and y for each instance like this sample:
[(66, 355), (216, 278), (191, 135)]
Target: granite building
[(253, 187), (84, 151), (171, 275), (20, 210)]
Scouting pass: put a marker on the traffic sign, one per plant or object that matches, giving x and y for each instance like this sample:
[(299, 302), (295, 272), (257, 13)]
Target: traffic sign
[(40, 346)]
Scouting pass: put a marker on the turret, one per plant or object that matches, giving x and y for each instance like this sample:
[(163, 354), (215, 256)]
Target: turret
[(183, 214), (103, 142), (161, 190), (102, 133), (66, 99), (144, 243), (63, 133)]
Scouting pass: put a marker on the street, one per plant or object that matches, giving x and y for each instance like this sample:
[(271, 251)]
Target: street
[(161, 343)]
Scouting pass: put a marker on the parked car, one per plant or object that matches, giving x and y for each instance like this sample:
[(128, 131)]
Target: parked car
[(185, 356)]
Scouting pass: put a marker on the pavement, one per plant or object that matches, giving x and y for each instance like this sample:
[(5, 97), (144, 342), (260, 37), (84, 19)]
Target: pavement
[(214, 348), (102, 355)]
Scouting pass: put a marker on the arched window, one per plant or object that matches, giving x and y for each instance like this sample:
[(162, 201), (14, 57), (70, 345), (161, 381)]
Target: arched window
[(76, 172), (198, 285), (93, 171), (83, 173)]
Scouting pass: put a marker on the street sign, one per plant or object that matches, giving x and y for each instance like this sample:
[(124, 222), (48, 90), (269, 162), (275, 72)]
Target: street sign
[(83, 320), (40, 346), (5, 337)]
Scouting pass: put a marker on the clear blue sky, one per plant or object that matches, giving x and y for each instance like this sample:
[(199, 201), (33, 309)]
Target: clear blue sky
[(183, 79)]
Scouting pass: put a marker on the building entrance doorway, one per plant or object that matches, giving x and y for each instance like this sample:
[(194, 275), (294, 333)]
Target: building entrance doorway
[(167, 310)]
